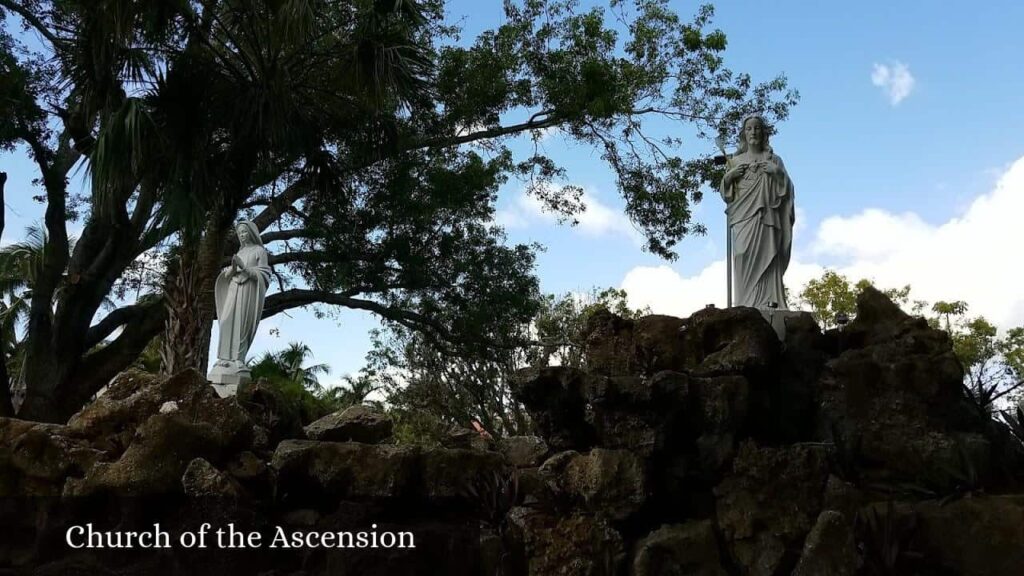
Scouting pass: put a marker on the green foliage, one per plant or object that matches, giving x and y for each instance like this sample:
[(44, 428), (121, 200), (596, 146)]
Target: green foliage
[(299, 386), (430, 389), (493, 494), (1014, 420), (885, 541), (365, 136), (993, 367), (993, 363), (832, 295), (559, 324)]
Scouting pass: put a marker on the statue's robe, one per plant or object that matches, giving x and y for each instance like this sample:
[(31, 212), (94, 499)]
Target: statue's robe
[(760, 214), (240, 305)]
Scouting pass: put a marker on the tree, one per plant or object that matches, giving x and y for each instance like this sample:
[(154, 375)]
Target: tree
[(433, 389), (832, 295), (298, 385), (287, 365), (356, 135), (993, 364)]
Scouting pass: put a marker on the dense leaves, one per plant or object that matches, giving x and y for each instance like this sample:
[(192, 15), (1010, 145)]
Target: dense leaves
[(430, 390), (993, 362), (365, 139)]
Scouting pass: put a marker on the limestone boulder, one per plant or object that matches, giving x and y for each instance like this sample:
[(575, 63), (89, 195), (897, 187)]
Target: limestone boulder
[(309, 472), (157, 458), (769, 502), (524, 451), (689, 548), (203, 480), (893, 401), (555, 398), (976, 536), (612, 482), (35, 458), (738, 340), (566, 545), (830, 547), (356, 423), (616, 346)]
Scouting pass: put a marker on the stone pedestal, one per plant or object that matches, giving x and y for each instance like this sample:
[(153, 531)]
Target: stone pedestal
[(777, 318), (226, 380)]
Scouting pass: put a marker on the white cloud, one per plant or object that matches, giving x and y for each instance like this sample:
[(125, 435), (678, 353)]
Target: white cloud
[(974, 257), (597, 218), (894, 79)]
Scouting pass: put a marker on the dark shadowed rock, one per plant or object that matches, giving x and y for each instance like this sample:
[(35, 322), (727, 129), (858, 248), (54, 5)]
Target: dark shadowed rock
[(876, 320), (619, 347), (769, 503), (111, 420), (155, 462), (610, 481), (560, 545), (35, 458), (344, 471), (555, 399), (895, 403), (829, 548), (202, 480), (172, 419), (356, 424), (311, 471), (690, 549), (450, 475), (466, 439), (729, 341), (271, 412), (524, 451), (638, 413), (979, 536)]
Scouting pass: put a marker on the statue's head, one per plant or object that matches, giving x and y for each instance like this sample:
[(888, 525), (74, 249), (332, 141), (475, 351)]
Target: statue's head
[(247, 233), (754, 130)]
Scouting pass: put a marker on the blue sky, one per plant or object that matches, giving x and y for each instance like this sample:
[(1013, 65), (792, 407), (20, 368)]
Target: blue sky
[(905, 149)]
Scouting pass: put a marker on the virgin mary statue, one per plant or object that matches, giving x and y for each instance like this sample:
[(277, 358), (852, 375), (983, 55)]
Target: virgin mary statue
[(759, 198), (239, 293)]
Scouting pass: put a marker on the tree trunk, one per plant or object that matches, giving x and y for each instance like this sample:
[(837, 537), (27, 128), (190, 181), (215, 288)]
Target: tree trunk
[(190, 307), (6, 407)]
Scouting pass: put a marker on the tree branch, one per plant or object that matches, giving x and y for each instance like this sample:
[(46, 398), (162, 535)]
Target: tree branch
[(297, 298), (115, 320), (280, 204), (311, 257), (279, 235), (99, 366), (33, 21), (546, 120)]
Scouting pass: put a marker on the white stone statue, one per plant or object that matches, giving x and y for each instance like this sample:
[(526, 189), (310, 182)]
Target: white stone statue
[(759, 198), (239, 294)]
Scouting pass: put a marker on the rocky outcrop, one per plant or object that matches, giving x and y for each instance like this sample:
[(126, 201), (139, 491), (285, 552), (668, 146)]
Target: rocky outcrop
[(612, 482), (354, 424), (769, 503), (689, 548), (701, 446), (829, 548), (556, 545)]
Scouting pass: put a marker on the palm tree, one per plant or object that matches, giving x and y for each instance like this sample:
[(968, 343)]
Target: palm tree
[(354, 391), (19, 266), (287, 365)]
